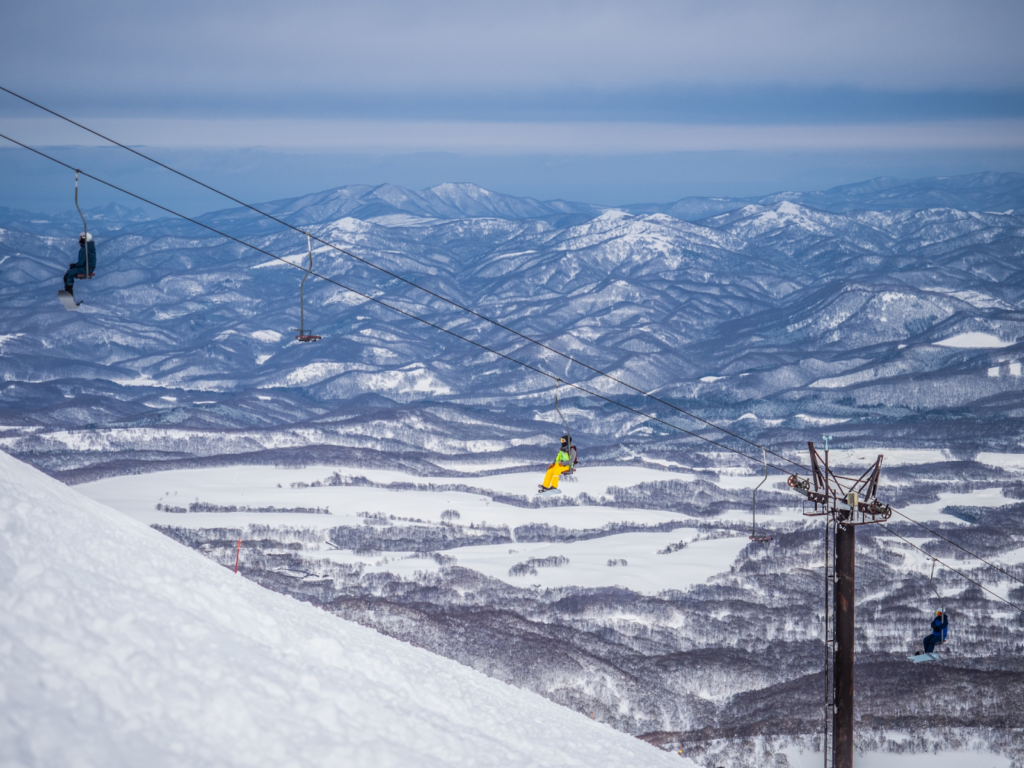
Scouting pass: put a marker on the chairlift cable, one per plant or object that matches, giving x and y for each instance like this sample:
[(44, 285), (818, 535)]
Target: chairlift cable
[(392, 307), (439, 296), (949, 541), (962, 549), (409, 314), (954, 570), (407, 281)]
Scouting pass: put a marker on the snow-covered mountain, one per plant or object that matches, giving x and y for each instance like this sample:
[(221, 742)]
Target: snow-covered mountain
[(388, 203), (106, 219), (1000, 192), (865, 319), (897, 331), (122, 648), (984, 191)]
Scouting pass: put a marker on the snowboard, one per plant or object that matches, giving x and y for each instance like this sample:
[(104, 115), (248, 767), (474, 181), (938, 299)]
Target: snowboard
[(68, 300), (924, 657), (551, 491)]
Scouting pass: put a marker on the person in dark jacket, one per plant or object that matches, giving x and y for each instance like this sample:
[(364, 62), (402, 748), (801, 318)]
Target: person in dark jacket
[(86, 250), (939, 624)]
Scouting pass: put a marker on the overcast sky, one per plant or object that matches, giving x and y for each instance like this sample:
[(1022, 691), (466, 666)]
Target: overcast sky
[(605, 101)]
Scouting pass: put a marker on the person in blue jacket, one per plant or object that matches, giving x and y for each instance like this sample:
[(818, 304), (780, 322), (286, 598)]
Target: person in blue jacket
[(938, 635), (86, 250)]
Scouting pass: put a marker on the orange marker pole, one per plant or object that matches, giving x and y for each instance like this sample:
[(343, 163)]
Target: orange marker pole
[(237, 553)]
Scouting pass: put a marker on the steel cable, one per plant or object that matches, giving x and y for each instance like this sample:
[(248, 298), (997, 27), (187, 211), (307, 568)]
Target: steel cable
[(962, 549), (390, 306), (396, 276), (446, 300), (954, 570)]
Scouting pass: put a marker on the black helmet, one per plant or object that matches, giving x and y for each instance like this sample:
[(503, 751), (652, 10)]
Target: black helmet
[(566, 440)]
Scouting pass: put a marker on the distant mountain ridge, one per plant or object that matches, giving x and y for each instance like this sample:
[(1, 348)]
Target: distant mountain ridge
[(780, 314), (391, 204), (995, 192)]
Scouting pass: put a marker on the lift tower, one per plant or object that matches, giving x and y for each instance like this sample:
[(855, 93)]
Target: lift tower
[(845, 503)]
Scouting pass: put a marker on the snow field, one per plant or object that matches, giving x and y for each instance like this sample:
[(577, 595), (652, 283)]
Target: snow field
[(986, 497), (646, 571), (122, 648), (137, 496)]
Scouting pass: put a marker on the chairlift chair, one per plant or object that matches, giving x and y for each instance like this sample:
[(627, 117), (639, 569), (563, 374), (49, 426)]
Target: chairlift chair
[(85, 231), (933, 656), (305, 334), (68, 299), (942, 603), (574, 452), (762, 538)]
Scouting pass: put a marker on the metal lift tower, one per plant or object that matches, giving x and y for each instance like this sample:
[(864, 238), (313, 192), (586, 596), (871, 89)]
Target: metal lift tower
[(845, 503)]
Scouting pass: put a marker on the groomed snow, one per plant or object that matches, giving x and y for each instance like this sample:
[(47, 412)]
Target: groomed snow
[(122, 648)]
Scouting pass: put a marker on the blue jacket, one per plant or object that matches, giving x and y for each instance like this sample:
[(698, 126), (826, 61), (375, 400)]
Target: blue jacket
[(80, 264), (939, 625)]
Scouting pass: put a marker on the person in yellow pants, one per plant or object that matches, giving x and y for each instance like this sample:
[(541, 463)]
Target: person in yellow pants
[(560, 466)]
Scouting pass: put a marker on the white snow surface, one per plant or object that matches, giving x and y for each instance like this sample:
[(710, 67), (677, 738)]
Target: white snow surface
[(983, 497), (646, 571), (974, 340), (119, 647)]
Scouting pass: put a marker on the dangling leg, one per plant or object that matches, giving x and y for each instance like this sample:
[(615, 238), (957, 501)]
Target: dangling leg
[(558, 471), (550, 477), (69, 278)]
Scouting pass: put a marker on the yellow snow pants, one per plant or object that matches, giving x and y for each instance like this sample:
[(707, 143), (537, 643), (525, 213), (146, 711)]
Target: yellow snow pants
[(551, 477)]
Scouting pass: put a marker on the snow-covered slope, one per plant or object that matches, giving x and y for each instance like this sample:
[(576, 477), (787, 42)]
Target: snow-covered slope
[(119, 647)]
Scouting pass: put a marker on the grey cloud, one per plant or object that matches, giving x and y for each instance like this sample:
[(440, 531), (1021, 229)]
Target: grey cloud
[(497, 138), (401, 47)]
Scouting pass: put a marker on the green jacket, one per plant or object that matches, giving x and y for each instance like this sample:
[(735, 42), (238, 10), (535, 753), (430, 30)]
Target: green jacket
[(562, 458)]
